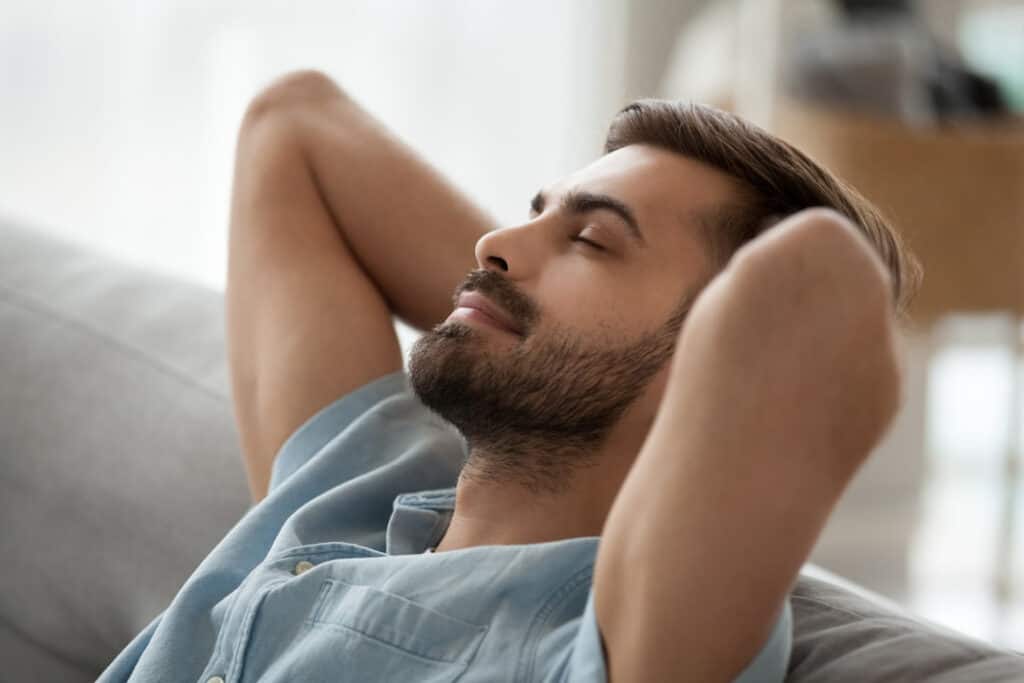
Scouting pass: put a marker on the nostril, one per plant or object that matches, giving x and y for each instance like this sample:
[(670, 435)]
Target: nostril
[(500, 261)]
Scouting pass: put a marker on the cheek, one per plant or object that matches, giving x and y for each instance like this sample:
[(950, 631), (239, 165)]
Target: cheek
[(568, 295), (592, 317), (611, 301)]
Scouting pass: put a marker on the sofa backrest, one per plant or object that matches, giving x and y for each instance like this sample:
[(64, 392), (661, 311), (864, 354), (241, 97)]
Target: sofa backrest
[(122, 469)]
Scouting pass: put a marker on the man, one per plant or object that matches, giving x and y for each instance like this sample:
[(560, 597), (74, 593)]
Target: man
[(570, 484)]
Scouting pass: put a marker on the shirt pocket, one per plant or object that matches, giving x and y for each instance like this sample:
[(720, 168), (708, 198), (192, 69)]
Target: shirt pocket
[(362, 633)]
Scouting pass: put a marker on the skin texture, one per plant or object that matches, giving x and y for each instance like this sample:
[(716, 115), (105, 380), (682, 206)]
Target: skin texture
[(707, 457), (321, 256)]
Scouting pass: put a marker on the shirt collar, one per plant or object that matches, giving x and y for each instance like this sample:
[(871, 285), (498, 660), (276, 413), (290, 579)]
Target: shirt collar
[(418, 520)]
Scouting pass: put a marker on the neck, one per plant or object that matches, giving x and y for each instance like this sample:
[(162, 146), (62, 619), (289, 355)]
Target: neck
[(508, 508)]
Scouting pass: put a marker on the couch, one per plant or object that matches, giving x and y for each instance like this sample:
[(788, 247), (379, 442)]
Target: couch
[(122, 468)]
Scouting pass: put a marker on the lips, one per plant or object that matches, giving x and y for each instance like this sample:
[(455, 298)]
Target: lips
[(481, 303)]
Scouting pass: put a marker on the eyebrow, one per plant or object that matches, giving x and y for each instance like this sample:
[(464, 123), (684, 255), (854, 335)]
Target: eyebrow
[(581, 201)]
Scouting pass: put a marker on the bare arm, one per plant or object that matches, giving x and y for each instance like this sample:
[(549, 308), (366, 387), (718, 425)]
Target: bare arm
[(784, 379), (335, 227), (409, 228)]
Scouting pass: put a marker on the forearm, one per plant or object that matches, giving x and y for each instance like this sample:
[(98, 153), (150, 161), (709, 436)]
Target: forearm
[(411, 230), (713, 530), (783, 380)]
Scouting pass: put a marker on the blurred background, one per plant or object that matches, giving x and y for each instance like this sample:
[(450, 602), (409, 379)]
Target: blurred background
[(118, 124)]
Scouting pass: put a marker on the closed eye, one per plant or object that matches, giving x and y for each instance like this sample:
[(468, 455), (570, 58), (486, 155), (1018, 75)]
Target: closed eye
[(589, 243), (537, 208)]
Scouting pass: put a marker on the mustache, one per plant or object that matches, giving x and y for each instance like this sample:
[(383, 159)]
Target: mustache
[(503, 293)]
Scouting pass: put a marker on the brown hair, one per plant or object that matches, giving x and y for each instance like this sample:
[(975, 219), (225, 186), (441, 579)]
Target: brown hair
[(776, 180)]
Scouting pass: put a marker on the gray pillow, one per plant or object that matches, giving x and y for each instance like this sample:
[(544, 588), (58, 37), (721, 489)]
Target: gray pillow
[(121, 464), (121, 469), (841, 636)]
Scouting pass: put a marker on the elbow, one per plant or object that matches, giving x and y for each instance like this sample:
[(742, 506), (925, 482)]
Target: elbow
[(294, 89)]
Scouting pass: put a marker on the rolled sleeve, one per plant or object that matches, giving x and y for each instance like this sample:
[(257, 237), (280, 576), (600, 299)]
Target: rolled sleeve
[(316, 432), (771, 662), (588, 662)]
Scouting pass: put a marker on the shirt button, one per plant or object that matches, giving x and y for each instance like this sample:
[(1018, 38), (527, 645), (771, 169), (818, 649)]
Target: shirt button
[(300, 568), (215, 679)]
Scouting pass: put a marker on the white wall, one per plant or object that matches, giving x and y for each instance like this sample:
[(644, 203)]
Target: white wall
[(118, 117)]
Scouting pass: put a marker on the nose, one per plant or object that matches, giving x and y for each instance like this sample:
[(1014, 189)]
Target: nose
[(516, 252), (486, 253)]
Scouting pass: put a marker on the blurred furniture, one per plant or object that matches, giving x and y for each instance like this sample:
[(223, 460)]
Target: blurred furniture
[(956, 194), (122, 469)]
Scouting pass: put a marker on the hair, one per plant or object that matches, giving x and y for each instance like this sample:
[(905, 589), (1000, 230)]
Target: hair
[(775, 179)]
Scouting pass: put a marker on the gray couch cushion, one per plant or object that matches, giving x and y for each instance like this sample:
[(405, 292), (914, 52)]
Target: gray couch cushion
[(121, 464), (121, 469), (840, 635)]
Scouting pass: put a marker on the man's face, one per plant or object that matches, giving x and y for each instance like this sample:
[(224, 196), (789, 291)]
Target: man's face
[(593, 326)]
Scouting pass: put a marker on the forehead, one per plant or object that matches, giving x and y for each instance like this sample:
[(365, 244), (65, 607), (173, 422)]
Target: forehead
[(666, 190)]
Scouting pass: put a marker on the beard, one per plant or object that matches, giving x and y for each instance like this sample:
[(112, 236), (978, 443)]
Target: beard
[(540, 410)]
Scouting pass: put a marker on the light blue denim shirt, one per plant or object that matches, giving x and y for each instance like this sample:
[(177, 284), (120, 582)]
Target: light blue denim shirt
[(327, 578)]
